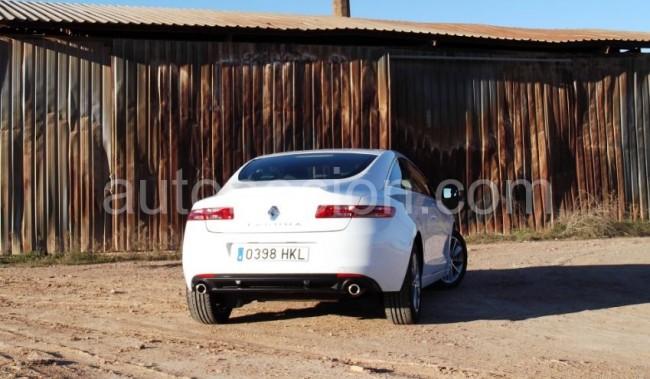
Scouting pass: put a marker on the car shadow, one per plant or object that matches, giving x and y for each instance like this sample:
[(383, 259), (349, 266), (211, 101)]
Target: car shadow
[(369, 307), (502, 294), (531, 292)]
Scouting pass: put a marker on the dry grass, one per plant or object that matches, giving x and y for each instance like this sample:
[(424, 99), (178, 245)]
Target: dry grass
[(595, 219), (37, 259)]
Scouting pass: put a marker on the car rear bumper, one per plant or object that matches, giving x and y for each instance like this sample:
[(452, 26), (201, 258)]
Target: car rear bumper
[(285, 286), (378, 251)]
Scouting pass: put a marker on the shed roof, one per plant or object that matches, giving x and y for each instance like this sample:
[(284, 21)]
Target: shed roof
[(16, 13)]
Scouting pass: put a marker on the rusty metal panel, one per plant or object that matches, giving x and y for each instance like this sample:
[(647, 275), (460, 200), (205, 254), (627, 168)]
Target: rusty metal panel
[(325, 78), (581, 125), (104, 143), (34, 157), (368, 105), (636, 121), (645, 150), (6, 171), (383, 103), (51, 208)]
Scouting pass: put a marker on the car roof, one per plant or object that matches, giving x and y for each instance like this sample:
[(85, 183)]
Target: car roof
[(376, 152)]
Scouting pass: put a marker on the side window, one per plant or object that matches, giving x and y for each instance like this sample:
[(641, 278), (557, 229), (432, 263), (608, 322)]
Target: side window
[(405, 175), (400, 175), (395, 176), (407, 182), (418, 181)]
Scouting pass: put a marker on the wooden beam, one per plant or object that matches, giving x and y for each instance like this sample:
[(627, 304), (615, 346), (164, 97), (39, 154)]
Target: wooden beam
[(341, 8)]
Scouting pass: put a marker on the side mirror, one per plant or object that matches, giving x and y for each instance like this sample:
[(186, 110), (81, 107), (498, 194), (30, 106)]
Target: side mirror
[(451, 196)]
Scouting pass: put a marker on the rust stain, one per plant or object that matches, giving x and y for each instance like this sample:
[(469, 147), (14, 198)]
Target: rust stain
[(81, 122), (580, 125), (132, 129)]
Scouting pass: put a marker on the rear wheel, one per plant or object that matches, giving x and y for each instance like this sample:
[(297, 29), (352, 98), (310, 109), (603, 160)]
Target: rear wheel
[(403, 307), (205, 309), (458, 264)]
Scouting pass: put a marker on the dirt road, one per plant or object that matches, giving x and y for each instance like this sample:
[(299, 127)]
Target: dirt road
[(548, 309)]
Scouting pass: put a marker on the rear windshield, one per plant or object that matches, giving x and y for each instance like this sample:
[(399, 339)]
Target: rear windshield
[(306, 166)]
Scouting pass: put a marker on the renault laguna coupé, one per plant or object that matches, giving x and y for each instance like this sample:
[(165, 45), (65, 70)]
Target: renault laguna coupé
[(322, 224)]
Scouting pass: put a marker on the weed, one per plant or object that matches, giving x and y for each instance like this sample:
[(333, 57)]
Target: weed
[(38, 259), (578, 225)]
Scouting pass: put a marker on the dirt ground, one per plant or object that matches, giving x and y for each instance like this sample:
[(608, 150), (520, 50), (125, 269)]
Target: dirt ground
[(543, 309)]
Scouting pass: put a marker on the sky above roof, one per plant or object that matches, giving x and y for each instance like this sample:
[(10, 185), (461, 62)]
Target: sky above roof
[(632, 15)]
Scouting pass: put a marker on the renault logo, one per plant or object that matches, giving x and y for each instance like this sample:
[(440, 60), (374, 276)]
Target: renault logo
[(274, 212)]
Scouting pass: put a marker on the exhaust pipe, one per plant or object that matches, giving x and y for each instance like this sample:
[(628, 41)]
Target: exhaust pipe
[(201, 288), (354, 289)]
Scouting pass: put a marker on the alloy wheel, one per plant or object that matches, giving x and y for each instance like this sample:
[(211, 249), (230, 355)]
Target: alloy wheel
[(457, 256)]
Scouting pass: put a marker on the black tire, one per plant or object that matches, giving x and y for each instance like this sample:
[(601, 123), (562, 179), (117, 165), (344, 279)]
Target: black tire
[(404, 307), (458, 268), (204, 308)]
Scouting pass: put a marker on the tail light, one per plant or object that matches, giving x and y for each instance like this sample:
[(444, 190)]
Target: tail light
[(350, 211), (207, 214), (348, 276)]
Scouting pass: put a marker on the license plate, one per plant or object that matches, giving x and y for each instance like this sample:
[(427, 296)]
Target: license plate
[(266, 253)]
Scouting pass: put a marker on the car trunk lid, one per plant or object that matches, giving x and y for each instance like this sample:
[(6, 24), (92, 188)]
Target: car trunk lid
[(280, 209)]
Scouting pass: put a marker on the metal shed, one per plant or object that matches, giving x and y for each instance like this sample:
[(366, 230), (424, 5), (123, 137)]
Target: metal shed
[(137, 105)]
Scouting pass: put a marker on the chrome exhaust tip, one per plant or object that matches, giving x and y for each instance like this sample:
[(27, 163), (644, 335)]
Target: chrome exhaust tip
[(354, 289), (201, 288)]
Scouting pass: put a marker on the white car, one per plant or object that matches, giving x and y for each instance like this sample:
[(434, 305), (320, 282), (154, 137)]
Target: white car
[(322, 224)]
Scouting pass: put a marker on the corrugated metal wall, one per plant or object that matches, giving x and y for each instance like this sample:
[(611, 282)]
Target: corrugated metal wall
[(134, 124), (583, 125), (52, 159)]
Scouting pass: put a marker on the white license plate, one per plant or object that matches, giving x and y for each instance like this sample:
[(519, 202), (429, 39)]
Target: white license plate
[(271, 253)]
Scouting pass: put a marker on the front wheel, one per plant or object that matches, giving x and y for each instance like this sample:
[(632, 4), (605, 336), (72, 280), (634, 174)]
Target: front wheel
[(205, 309), (403, 307), (458, 262)]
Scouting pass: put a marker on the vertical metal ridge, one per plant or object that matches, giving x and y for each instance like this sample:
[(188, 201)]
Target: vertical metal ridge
[(78, 117), (579, 124)]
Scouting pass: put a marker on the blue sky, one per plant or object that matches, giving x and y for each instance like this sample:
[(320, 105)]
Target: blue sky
[(631, 15)]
